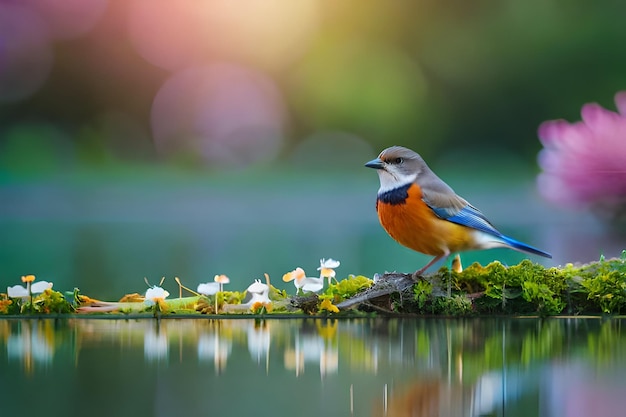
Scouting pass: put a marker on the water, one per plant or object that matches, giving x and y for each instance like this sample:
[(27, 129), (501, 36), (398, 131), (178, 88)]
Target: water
[(313, 367)]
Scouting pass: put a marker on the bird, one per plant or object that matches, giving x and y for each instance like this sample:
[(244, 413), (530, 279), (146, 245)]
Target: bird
[(420, 211)]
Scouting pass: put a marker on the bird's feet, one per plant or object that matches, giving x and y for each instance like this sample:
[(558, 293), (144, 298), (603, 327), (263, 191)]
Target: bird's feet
[(419, 274)]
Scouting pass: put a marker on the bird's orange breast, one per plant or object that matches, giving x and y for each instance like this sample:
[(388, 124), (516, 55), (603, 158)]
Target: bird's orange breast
[(407, 219)]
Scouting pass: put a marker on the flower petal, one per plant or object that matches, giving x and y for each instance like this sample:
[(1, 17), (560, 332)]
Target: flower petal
[(222, 279), (297, 274), (156, 292), (620, 102), (17, 291), (552, 130), (28, 278), (40, 286), (257, 287), (328, 273), (328, 306), (312, 284), (600, 121), (583, 162), (328, 263), (209, 288)]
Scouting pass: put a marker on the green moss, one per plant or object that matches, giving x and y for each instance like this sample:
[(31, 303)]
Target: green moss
[(598, 287), (277, 295), (608, 290), (346, 288), (456, 305), (422, 292)]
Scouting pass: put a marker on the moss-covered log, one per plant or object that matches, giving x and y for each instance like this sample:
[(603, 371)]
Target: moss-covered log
[(526, 288)]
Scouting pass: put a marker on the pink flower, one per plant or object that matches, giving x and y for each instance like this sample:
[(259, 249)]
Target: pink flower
[(584, 163)]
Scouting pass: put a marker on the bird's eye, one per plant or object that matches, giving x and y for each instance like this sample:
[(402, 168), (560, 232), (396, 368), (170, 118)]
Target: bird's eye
[(398, 161)]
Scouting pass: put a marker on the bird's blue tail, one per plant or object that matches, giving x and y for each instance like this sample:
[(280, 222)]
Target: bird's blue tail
[(514, 244)]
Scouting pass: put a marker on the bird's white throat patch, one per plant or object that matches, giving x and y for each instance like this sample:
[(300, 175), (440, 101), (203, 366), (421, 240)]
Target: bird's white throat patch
[(390, 181)]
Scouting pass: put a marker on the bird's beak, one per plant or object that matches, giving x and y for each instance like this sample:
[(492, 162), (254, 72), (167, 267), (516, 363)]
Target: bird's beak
[(375, 163)]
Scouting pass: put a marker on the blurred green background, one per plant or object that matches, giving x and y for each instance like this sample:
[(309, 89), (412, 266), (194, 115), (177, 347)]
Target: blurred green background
[(142, 138)]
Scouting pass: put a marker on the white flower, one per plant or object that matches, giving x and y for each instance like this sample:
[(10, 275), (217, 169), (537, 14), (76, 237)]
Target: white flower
[(328, 263), (327, 268), (155, 293), (40, 286), (221, 279), (313, 284), (301, 281), (209, 288), (18, 291), (257, 287), (297, 276), (259, 292)]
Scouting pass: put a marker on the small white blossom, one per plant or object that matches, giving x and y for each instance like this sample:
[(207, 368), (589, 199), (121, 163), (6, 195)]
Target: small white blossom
[(40, 286), (209, 288), (328, 263), (221, 280), (18, 291), (312, 284), (259, 292), (301, 281), (327, 268), (154, 293), (297, 276)]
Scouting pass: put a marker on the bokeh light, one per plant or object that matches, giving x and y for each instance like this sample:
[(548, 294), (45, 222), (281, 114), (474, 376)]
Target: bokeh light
[(25, 54), (49, 149), (369, 87), (66, 19), (332, 151), (229, 116), (124, 136), (270, 33)]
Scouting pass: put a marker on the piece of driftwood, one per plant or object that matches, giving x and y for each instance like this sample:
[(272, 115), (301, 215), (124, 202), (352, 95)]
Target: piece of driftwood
[(377, 297), (306, 303)]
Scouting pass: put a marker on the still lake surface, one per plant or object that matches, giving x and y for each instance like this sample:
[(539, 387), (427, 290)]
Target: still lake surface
[(562, 367)]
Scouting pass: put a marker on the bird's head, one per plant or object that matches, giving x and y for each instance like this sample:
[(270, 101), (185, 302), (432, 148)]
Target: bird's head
[(397, 166)]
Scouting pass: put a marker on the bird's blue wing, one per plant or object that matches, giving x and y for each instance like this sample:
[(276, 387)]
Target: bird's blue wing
[(448, 206), (468, 216)]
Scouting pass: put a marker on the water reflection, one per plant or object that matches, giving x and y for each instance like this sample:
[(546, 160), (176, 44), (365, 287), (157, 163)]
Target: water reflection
[(319, 349), (32, 344), (361, 367)]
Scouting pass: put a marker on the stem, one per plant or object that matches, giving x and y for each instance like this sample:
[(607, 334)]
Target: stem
[(30, 294), (181, 287)]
